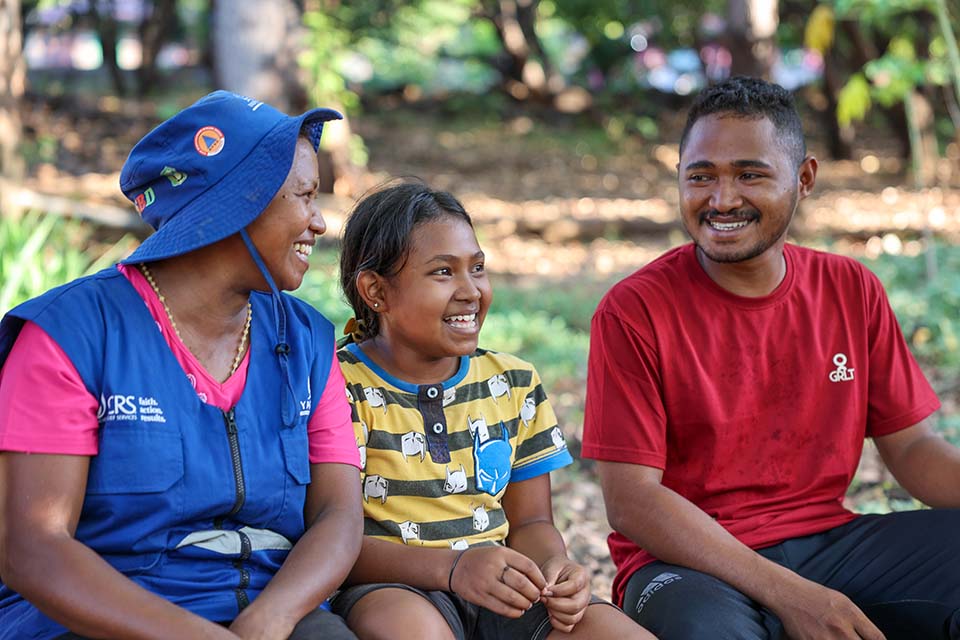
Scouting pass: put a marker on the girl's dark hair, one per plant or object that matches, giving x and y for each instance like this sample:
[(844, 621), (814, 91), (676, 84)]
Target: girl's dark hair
[(377, 233)]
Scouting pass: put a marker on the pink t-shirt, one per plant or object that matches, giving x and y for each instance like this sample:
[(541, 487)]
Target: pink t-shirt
[(46, 408)]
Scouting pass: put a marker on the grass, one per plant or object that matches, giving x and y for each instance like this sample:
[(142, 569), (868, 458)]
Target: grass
[(38, 253), (928, 308)]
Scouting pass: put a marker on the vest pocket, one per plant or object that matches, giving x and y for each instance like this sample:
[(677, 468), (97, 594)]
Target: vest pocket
[(296, 452), (136, 460)]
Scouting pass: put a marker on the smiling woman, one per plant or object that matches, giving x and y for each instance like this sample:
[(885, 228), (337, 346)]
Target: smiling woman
[(189, 471)]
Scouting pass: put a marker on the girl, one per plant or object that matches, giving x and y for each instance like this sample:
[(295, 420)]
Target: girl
[(456, 444)]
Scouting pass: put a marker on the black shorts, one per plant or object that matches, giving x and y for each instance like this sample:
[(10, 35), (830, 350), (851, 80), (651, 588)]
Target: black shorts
[(467, 620), (901, 569)]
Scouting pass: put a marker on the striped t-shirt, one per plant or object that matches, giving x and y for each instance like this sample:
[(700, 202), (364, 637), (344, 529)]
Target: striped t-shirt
[(435, 459)]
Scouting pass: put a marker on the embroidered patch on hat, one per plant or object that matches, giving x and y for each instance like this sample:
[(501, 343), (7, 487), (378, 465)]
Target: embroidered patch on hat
[(208, 141), (144, 200), (175, 177)]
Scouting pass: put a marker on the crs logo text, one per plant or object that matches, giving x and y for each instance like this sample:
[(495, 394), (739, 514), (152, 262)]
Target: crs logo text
[(117, 407)]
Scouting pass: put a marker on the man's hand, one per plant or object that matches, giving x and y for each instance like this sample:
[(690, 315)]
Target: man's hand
[(498, 578), (567, 593), (810, 611)]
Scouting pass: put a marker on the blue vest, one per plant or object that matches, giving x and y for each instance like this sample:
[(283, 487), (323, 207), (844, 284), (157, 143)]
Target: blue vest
[(195, 504)]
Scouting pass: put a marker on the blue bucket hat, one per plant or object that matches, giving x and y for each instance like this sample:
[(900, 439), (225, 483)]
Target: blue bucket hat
[(210, 170)]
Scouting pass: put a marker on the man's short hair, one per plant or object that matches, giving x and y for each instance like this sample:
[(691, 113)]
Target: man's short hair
[(743, 97)]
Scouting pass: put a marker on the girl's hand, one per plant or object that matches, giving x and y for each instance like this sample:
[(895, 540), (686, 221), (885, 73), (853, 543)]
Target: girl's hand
[(567, 593), (500, 579)]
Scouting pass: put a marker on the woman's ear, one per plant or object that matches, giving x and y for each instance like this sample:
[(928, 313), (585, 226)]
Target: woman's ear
[(371, 288)]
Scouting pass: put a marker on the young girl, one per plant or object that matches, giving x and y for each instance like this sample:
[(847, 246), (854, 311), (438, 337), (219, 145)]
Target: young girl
[(456, 444)]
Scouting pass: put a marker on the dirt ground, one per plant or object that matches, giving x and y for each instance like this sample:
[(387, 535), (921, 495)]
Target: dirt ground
[(551, 204)]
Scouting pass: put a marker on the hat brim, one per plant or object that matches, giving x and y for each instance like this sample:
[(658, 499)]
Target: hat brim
[(237, 199)]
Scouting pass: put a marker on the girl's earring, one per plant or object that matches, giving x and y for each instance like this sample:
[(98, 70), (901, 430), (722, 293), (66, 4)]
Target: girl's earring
[(376, 305)]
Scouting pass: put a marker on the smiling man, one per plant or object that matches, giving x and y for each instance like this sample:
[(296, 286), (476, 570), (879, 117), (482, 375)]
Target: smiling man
[(731, 385)]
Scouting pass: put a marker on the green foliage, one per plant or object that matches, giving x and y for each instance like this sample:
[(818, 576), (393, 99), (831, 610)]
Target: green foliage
[(928, 310), (437, 45), (884, 12), (547, 341), (574, 302), (607, 24), (949, 428), (450, 46), (42, 148), (820, 29), (885, 503), (546, 323), (40, 252), (321, 288), (854, 101), (895, 74), (904, 64), (327, 43)]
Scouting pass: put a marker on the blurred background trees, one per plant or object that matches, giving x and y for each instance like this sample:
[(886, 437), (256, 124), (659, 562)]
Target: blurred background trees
[(621, 58), (848, 58)]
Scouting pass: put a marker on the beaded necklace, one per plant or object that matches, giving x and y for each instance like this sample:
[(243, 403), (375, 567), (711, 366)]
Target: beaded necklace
[(173, 323)]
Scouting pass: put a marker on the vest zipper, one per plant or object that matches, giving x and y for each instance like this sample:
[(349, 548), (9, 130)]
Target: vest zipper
[(230, 420), (245, 550), (229, 417)]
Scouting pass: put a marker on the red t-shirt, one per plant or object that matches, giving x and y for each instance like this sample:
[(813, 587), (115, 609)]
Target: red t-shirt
[(755, 408), (46, 408)]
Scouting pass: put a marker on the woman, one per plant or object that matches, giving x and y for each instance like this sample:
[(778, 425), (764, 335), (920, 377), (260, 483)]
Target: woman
[(198, 481)]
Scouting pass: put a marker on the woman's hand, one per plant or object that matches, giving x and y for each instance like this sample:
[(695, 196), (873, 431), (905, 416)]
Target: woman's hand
[(500, 579), (567, 593)]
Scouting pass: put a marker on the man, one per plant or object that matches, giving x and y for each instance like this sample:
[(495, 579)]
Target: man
[(730, 386)]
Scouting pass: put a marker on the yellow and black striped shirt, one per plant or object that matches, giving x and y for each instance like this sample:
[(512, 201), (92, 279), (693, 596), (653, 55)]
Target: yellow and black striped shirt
[(436, 458)]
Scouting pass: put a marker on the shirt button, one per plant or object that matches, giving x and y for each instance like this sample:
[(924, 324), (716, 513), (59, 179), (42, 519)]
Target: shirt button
[(438, 428)]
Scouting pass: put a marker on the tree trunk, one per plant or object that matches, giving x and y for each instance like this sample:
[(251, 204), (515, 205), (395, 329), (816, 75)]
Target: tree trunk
[(107, 31), (839, 139), (154, 32), (751, 27), (255, 51), (524, 65), (255, 48), (12, 79)]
